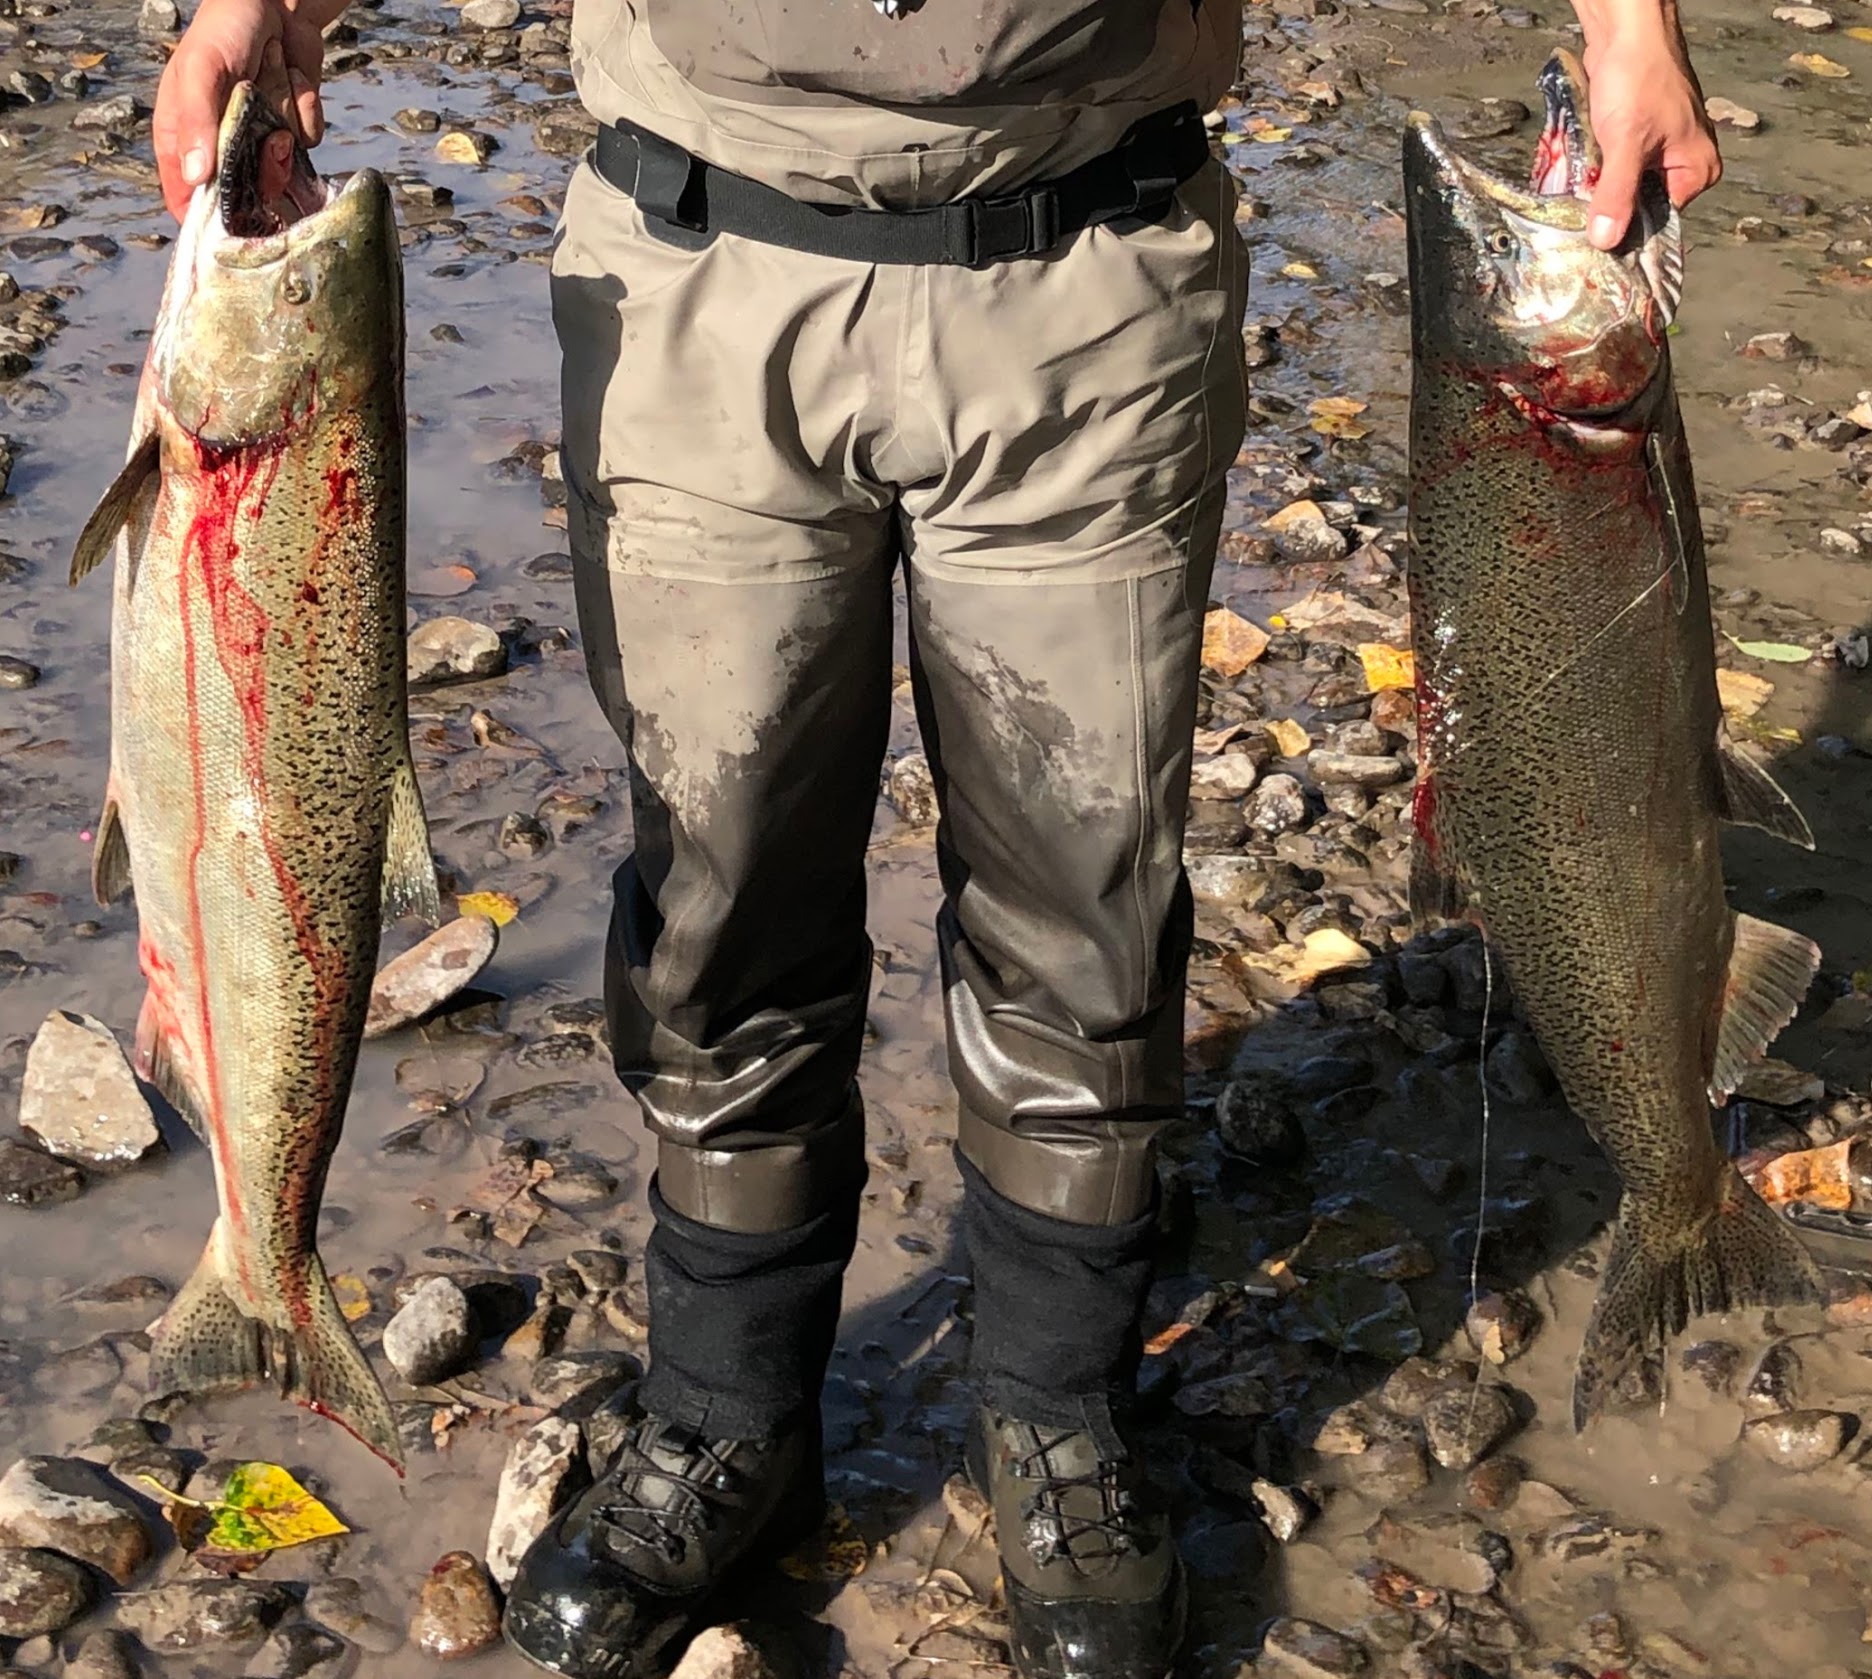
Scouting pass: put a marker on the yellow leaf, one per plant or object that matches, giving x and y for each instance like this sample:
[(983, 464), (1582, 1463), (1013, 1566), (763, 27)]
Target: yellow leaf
[(498, 907), (353, 1297), (460, 146), (88, 60), (1165, 1339), (1230, 642), (1387, 666), (1819, 64), (1345, 407), (1299, 271), (1337, 416), (261, 1509), (1295, 513), (1326, 950), (1858, 32), (836, 1552), (1290, 740), (1741, 692), (1271, 136)]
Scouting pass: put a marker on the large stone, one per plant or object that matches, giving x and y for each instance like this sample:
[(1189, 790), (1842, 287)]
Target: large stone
[(30, 1177), (1311, 1651), (722, 1653), (456, 1615), (202, 1614), (69, 1506), (299, 1651), (537, 1475), (454, 650), (104, 1655), (40, 1592), (432, 1337), (425, 976), (345, 1607), (80, 1099), (490, 14)]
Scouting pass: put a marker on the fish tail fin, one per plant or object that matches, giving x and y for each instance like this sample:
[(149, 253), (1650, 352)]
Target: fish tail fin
[(1743, 1255), (205, 1343)]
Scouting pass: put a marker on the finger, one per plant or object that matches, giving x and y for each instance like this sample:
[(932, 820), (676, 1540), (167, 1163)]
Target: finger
[(194, 91), (274, 85), (1616, 196), (310, 107)]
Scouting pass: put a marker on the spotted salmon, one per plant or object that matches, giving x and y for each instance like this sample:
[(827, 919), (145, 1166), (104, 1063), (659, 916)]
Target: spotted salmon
[(262, 803), (1574, 770)]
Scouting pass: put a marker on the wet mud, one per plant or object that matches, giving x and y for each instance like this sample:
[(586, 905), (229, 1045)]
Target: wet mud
[(1317, 1476)]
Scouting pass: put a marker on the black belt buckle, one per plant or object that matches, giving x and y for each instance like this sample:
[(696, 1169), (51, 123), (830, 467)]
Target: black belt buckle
[(999, 229)]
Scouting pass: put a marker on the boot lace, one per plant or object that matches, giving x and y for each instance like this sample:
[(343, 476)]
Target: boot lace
[(669, 1524), (1056, 1533)]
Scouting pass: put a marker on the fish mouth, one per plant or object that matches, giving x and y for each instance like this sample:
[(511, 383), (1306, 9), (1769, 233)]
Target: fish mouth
[(1564, 212), (1566, 161), (264, 179)]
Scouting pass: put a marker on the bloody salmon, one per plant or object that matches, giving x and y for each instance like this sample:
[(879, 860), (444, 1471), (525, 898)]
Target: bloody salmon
[(1574, 771), (262, 803)]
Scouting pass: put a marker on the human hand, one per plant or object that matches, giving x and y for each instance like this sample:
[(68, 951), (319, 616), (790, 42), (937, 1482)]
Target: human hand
[(275, 45), (1647, 110)]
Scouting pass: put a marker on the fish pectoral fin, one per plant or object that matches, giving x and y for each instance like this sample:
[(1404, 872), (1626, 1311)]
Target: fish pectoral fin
[(205, 1343), (156, 1064), (409, 877), (112, 513), (1743, 1254), (1438, 895), (1753, 798), (110, 855), (1770, 969)]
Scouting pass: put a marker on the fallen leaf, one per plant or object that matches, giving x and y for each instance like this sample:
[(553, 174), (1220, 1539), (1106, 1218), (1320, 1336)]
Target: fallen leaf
[(1820, 65), (498, 907), (1337, 416), (1230, 642), (1290, 740), (88, 60), (1858, 32), (1778, 652), (1741, 692), (1387, 666), (262, 1509), (460, 147), (353, 1297), (1295, 513), (1271, 136), (1299, 271), (1165, 1339), (836, 1552), (1820, 1177)]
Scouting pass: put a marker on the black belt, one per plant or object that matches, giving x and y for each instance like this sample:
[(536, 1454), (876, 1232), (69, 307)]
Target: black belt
[(1138, 177)]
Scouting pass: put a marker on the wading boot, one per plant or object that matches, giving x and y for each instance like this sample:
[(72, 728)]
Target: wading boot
[(623, 1571), (1094, 1584)]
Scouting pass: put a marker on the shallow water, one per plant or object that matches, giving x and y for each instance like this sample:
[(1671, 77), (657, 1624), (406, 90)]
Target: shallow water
[(1760, 1575)]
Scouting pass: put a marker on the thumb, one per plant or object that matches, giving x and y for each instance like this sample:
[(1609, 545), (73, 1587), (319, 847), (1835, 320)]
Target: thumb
[(194, 92), (1616, 196)]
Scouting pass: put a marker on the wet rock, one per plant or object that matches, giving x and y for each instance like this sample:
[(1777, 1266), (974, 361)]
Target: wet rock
[(1713, 1363), (1811, 18), (1777, 346), (1493, 1483), (523, 836), (722, 1653), (1257, 1122), (599, 1269), (104, 1655), (1311, 1651), (17, 673), (432, 1337), (79, 1099), (912, 790), (1774, 1384), (157, 20), (69, 1506), (456, 1615), (29, 1178), (1277, 806), (422, 979), (538, 1475), (1230, 775), (343, 1606), (1286, 1510), (1214, 828), (199, 1614), (154, 1463), (1357, 770), (1416, 1381), (1393, 1470), (117, 115), (1462, 1426), (1423, 977), (415, 121), (1799, 1440), (1842, 544), (576, 1380), (579, 1181), (1726, 113), (1487, 119), (1518, 1070), (78, 1371), (299, 1651), (1501, 1327), (40, 1592), (447, 650), (491, 14)]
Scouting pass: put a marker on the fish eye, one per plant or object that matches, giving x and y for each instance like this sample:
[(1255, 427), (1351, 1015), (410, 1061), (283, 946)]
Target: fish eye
[(1502, 243), (295, 287)]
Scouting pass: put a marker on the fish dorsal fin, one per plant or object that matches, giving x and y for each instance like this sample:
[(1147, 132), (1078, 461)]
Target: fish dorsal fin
[(1770, 969), (112, 512), (157, 1064), (1660, 249), (1752, 798), (110, 855)]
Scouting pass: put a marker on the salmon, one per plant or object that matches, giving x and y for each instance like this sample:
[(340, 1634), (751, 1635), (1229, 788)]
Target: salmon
[(1574, 770), (262, 804)]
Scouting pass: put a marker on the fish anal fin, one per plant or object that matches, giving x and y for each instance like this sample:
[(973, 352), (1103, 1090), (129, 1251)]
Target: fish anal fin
[(1752, 798), (113, 509), (1770, 969), (110, 855), (205, 1343), (409, 877), (1742, 1255), (157, 1064)]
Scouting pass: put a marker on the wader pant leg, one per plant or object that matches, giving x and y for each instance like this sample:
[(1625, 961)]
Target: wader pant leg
[(734, 586), (1089, 407)]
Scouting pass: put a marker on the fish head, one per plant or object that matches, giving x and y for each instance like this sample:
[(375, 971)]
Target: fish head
[(1506, 286), (285, 290)]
